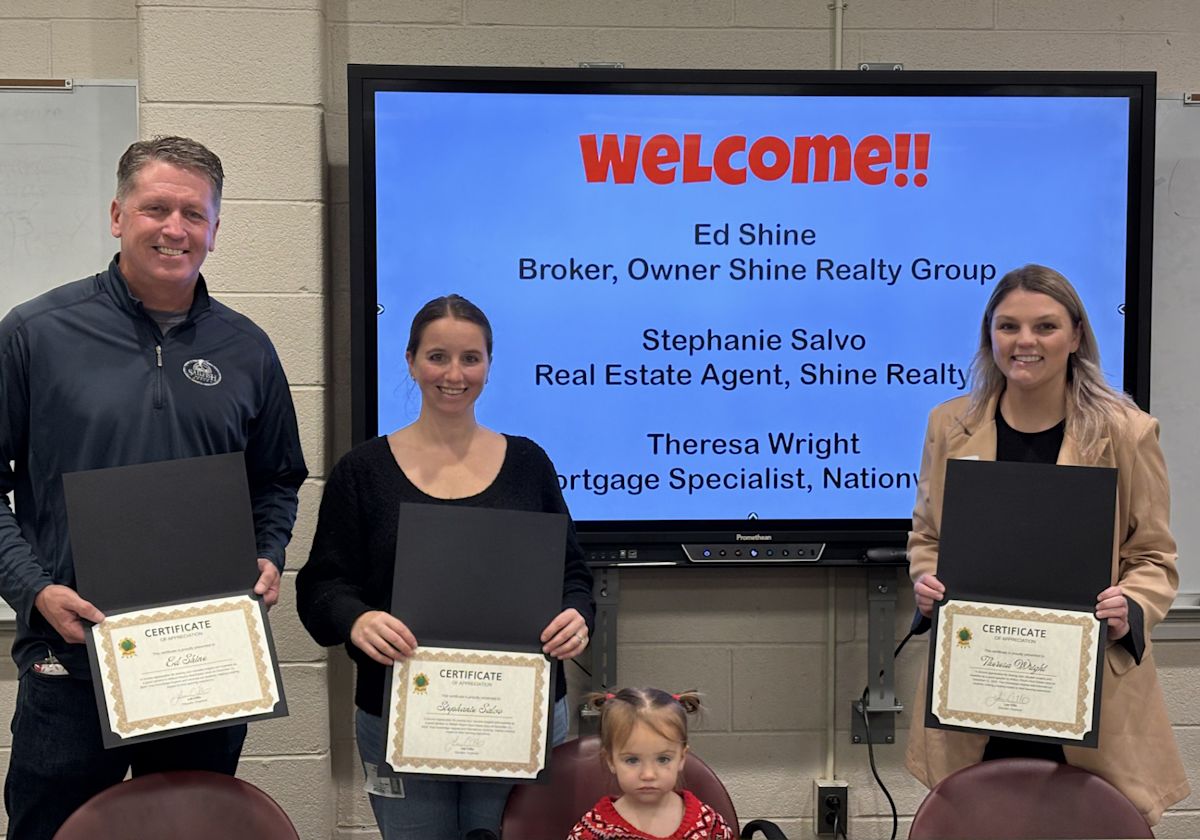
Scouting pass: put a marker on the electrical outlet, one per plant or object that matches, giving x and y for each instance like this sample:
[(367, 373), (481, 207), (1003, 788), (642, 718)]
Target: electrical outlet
[(831, 807)]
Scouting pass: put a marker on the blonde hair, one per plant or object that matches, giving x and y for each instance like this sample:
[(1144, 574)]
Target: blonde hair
[(1092, 404), (623, 710)]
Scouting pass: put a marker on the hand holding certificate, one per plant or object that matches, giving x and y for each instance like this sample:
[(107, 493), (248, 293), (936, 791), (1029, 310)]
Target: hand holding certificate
[(166, 550), (474, 699), (1017, 648)]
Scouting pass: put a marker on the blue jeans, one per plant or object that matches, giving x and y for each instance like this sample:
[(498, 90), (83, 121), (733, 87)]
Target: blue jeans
[(437, 810), (58, 759)]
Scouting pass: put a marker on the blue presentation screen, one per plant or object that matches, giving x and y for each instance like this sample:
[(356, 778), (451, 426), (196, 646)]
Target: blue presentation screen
[(717, 307)]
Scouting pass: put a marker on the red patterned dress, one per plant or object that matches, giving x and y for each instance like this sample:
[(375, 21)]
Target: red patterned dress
[(699, 822)]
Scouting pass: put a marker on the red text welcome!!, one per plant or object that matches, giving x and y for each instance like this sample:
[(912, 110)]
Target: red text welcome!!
[(665, 159)]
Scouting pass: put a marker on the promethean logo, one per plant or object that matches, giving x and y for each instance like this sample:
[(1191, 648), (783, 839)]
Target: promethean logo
[(754, 538)]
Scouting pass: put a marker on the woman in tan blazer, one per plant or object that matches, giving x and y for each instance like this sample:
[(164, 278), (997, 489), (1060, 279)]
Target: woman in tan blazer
[(1038, 394)]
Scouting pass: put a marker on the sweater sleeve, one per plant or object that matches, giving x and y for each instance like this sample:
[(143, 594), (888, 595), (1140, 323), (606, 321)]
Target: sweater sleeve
[(1135, 640), (329, 588), (720, 829), (580, 831), (577, 577)]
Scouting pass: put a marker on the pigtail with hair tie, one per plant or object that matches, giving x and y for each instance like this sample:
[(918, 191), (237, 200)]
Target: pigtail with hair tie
[(596, 699), (690, 700)]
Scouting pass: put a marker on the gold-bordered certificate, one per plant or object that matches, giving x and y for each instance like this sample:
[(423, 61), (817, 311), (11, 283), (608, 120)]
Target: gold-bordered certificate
[(469, 713), (184, 665), (1021, 670)]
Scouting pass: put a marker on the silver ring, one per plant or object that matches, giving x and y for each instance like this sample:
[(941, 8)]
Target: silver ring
[(579, 637)]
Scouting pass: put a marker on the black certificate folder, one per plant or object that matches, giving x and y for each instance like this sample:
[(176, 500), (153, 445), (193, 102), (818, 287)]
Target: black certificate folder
[(478, 577), (1038, 534), (1026, 535), (161, 532), (158, 539)]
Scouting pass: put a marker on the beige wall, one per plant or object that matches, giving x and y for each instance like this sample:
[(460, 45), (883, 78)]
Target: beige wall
[(263, 83)]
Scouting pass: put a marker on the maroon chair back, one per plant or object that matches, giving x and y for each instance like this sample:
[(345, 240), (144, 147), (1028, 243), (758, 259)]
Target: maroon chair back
[(1025, 798), (180, 805), (578, 779)]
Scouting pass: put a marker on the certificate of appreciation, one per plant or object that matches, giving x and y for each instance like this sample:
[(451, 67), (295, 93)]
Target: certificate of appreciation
[(173, 667), (1019, 670), (469, 713)]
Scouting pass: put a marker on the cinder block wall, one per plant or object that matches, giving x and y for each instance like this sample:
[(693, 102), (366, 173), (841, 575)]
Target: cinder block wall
[(94, 40), (248, 80), (263, 82)]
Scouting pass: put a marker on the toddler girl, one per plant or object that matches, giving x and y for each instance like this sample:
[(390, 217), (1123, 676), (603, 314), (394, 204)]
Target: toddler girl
[(643, 736)]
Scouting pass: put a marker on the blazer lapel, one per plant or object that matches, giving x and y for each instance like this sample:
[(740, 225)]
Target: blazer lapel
[(978, 443), (1069, 454)]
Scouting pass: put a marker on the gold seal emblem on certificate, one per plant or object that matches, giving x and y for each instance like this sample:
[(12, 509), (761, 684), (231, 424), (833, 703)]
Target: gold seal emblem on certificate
[(128, 646), (420, 683)]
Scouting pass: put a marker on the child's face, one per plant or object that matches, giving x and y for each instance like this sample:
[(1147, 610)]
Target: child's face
[(647, 765)]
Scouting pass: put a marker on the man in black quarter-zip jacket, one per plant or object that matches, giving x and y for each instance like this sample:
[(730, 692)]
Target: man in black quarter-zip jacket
[(132, 365)]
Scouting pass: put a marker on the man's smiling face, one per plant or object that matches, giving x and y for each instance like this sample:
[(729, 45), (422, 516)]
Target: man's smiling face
[(167, 224)]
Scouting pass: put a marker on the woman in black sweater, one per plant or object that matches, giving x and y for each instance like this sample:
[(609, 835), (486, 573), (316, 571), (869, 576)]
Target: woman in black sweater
[(344, 591)]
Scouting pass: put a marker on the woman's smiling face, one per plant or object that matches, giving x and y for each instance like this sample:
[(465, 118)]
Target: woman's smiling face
[(450, 364), (1033, 338)]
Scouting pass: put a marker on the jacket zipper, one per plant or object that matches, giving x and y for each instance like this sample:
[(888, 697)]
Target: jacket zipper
[(158, 384)]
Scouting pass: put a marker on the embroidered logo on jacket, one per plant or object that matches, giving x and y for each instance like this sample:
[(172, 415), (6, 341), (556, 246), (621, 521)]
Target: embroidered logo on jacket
[(202, 372)]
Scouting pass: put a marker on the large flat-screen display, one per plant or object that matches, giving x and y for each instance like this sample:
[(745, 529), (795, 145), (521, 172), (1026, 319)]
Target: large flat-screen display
[(725, 302)]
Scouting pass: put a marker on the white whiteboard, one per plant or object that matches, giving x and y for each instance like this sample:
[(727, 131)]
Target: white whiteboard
[(58, 162), (58, 174), (1175, 350)]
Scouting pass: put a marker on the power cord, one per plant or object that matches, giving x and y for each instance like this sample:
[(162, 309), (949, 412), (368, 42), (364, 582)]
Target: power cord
[(861, 707), (838, 828), (913, 632)]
